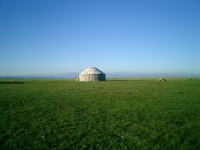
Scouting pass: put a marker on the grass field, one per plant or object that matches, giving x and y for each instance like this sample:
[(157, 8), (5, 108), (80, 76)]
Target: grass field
[(113, 115)]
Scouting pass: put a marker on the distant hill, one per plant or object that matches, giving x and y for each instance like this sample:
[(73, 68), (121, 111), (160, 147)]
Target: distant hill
[(108, 75)]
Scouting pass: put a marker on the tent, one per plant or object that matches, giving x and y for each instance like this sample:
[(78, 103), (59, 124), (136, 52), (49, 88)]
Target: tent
[(92, 74), (162, 80)]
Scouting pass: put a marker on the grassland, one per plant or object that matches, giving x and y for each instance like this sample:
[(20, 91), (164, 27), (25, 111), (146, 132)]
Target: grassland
[(113, 115)]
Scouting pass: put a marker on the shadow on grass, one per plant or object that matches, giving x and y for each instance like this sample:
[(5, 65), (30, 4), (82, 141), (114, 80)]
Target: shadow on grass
[(125, 80), (12, 82)]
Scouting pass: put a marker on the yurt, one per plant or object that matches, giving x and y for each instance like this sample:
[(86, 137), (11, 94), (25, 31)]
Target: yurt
[(92, 74), (162, 80)]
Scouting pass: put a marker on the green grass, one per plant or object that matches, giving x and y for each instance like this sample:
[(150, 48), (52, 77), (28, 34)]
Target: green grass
[(113, 115)]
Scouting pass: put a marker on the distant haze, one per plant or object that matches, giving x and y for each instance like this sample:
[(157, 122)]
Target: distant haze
[(108, 75)]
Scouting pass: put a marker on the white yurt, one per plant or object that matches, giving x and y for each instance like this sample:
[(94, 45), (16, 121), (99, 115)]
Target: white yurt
[(92, 74), (162, 80)]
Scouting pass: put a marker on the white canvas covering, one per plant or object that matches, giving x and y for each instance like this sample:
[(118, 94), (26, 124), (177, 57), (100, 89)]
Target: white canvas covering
[(162, 80), (92, 74)]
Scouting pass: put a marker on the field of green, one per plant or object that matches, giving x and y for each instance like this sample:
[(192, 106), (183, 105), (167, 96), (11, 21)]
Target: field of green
[(118, 114)]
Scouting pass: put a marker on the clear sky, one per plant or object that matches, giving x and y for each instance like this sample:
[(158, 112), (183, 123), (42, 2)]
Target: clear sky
[(65, 36)]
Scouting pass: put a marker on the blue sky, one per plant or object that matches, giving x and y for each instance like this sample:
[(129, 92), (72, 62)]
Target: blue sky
[(132, 36)]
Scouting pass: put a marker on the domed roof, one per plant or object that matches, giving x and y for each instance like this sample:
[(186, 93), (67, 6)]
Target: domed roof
[(91, 70)]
